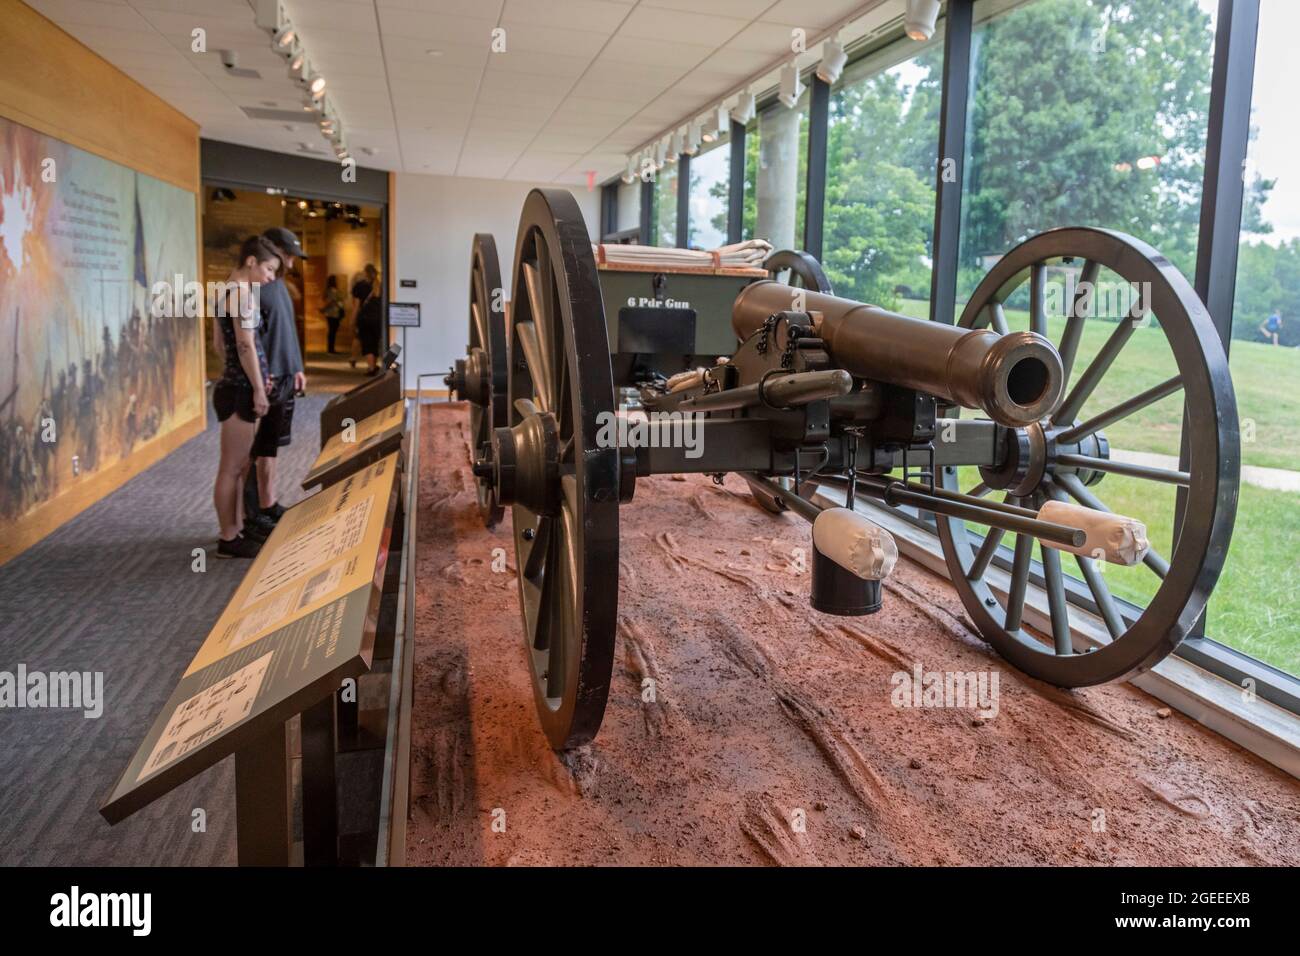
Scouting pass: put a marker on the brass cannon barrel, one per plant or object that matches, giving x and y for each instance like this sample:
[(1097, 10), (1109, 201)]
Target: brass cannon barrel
[(1016, 378)]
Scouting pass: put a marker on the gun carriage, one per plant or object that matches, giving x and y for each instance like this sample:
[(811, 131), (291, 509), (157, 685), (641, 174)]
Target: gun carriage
[(820, 392)]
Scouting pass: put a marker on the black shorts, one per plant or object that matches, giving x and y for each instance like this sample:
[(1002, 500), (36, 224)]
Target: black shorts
[(228, 399), (275, 429), (369, 331)]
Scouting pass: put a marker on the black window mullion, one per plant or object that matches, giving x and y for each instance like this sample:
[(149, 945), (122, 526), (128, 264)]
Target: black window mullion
[(951, 160), (1223, 192), (815, 195), (683, 199), (647, 211), (736, 188)]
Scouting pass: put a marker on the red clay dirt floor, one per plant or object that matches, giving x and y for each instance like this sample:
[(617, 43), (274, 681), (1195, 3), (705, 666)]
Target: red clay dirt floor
[(769, 713)]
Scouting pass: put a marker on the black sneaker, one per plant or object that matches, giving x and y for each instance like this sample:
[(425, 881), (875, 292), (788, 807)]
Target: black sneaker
[(275, 512), (258, 528), (240, 546)]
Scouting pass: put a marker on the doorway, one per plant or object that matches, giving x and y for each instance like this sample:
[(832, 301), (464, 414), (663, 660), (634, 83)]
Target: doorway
[(340, 239)]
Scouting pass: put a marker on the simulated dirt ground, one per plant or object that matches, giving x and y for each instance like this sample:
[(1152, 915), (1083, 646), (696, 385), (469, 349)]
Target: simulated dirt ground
[(771, 718)]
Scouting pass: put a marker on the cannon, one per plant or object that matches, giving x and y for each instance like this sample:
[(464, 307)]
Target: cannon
[(824, 402)]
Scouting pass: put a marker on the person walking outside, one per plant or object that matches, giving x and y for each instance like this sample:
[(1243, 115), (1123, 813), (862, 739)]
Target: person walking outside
[(1271, 329)]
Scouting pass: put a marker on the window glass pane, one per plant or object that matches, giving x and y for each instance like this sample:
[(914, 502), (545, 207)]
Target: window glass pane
[(1103, 126), (664, 228), (710, 182), (882, 141), (1256, 607), (1095, 114), (781, 174), (629, 205)]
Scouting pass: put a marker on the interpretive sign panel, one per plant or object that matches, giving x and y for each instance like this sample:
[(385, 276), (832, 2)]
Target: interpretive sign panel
[(302, 620), (358, 445)]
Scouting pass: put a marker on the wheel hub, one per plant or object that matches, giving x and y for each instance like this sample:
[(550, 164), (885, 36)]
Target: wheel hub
[(525, 464), (1030, 455)]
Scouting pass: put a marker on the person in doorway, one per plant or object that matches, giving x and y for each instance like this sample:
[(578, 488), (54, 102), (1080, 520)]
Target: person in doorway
[(240, 395), (332, 309), (369, 317), (1271, 329), (279, 336)]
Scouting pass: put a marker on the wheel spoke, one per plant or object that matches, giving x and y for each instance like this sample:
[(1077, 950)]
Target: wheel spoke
[(480, 333), (998, 319), (1127, 469), (536, 559), (1056, 603), (1096, 370), (564, 600), (1080, 310), (992, 541), (538, 369), (1037, 305), (1019, 581), (980, 490), (559, 645), (545, 583), (1101, 594), (533, 288), (1122, 410), (1081, 494), (563, 400)]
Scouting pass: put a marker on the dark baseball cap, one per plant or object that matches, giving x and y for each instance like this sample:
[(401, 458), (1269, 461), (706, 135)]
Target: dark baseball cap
[(286, 240)]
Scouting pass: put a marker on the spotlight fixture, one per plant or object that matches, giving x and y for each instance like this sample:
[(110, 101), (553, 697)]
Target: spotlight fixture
[(678, 146), (284, 38), (317, 85), (298, 65), (661, 154), (720, 127), (833, 60), (691, 145), (920, 18), (629, 174), (744, 111), (791, 86)]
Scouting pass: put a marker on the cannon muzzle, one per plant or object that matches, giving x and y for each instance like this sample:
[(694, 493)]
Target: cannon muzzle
[(1016, 378)]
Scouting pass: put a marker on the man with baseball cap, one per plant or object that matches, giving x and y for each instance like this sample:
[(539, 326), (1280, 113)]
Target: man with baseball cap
[(284, 363)]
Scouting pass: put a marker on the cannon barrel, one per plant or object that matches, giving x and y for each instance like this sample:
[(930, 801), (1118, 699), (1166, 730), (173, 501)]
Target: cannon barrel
[(1016, 378)]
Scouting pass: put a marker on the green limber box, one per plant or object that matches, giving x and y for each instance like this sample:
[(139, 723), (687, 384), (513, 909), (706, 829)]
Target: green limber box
[(669, 320)]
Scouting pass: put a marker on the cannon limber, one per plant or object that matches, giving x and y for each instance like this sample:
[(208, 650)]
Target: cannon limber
[(822, 396)]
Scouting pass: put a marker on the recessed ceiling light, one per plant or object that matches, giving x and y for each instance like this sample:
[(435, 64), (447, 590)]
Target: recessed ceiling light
[(434, 52)]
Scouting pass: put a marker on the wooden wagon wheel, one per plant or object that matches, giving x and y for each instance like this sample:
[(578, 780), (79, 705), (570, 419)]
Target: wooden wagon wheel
[(1066, 456), (480, 377), (563, 487)]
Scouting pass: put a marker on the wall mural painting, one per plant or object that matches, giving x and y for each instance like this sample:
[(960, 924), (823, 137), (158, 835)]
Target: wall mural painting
[(90, 367)]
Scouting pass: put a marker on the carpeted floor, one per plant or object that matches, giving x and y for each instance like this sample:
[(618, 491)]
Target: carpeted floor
[(113, 591)]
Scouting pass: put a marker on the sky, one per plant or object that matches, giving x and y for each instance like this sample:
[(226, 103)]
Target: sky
[(1274, 153)]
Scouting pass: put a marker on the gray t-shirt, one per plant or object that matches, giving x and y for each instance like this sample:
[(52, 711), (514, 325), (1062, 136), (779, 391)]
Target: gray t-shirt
[(279, 334)]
